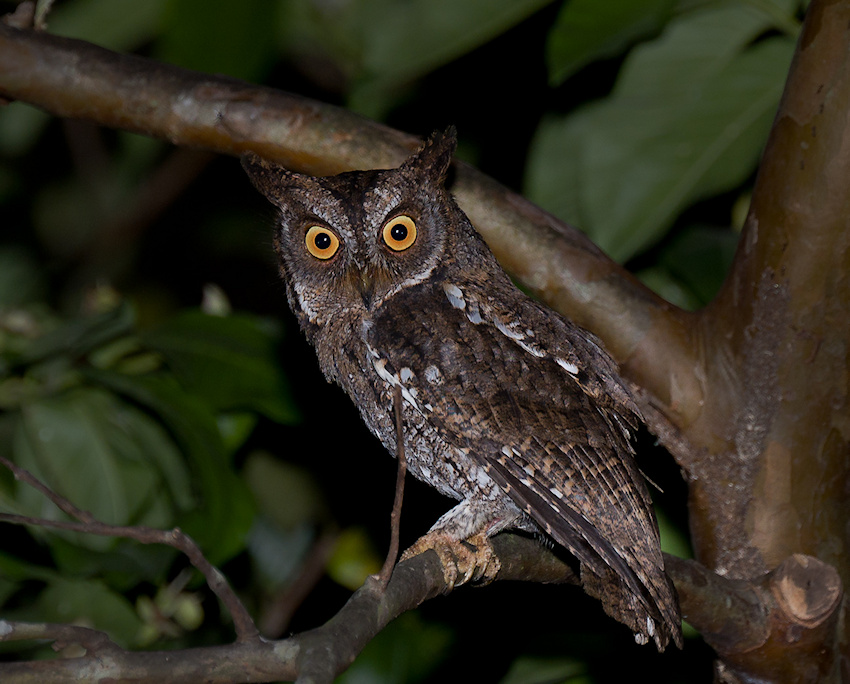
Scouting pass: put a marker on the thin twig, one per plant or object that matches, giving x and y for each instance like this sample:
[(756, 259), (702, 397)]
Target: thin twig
[(176, 538), (395, 516), (61, 502), (60, 634)]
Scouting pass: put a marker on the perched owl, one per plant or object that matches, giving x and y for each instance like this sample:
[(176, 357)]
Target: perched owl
[(508, 407)]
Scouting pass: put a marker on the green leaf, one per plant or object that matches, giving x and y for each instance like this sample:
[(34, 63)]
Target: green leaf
[(73, 601), (120, 25), (92, 603), (122, 566), (694, 47), (229, 361), (221, 520), (401, 41), (219, 36), (103, 455), (542, 670), (235, 429), (687, 119), (287, 494), (353, 558), (661, 281), (700, 257), (587, 30), (16, 570), (78, 336)]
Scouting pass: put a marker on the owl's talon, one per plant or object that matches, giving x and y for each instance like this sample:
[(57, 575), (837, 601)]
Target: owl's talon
[(487, 564), (469, 560)]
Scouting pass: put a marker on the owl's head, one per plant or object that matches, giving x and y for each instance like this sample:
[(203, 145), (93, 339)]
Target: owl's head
[(349, 242)]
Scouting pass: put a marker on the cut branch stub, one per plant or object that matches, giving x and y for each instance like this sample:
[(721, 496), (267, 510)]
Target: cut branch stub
[(807, 589), (802, 597)]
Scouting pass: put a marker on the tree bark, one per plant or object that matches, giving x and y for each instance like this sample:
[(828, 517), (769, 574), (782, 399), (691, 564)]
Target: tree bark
[(766, 407)]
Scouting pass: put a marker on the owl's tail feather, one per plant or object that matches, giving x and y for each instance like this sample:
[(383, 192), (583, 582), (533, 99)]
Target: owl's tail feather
[(658, 619), (633, 587)]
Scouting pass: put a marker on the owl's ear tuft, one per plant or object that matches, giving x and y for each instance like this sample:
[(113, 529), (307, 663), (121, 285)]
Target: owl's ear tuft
[(435, 156), (271, 179)]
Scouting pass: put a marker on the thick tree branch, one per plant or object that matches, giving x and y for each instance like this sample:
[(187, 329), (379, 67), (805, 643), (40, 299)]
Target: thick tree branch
[(60, 634), (775, 412)]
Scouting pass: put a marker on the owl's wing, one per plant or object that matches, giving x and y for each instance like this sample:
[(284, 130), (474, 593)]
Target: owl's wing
[(539, 404)]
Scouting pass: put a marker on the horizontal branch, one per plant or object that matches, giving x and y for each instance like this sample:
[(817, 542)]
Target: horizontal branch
[(318, 655), (253, 660)]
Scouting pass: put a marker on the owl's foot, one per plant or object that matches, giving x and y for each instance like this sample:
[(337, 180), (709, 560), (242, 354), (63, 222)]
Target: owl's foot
[(471, 559)]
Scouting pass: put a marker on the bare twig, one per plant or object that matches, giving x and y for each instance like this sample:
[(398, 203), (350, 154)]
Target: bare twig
[(395, 516), (68, 508), (176, 538), (60, 634)]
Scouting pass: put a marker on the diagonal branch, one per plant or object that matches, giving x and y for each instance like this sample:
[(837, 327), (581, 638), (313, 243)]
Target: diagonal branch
[(72, 78)]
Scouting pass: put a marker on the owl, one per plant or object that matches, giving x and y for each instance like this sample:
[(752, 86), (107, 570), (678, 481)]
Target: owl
[(507, 407)]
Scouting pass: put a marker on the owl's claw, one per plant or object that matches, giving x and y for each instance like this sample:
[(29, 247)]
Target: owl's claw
[(471, 559)]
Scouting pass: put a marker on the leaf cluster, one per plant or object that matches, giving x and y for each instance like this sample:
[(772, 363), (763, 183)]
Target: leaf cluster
[(137, 427)]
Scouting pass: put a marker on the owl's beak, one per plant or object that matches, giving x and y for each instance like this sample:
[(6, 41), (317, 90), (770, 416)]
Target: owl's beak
[(366, 287)]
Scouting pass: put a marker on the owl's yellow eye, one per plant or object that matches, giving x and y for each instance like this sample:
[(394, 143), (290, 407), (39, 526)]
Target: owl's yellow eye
[(321, 242), (399, 233)]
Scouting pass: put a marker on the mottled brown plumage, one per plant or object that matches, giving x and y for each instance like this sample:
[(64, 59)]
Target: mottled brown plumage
[(508, 407)]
